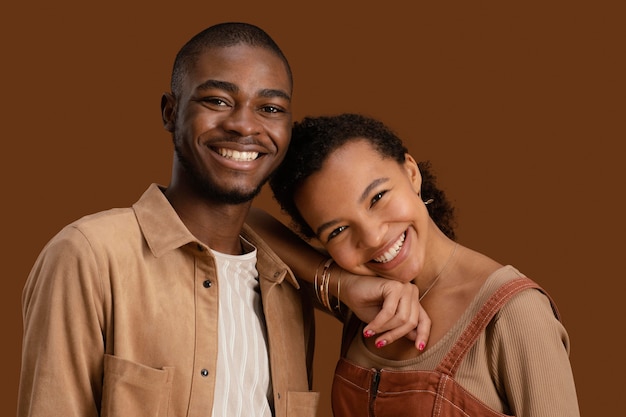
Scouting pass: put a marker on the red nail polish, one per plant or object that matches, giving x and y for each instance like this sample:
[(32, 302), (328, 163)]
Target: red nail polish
[(368, 333), (421, 346), (381, 343)]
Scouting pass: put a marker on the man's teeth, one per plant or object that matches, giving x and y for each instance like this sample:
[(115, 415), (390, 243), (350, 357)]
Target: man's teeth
[(392, 252), (238, 156)]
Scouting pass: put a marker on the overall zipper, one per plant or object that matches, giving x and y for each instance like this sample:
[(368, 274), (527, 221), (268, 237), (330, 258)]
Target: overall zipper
[(374, 390)]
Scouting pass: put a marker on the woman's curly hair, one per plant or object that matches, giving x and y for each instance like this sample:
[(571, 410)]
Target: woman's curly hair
[(315, 138)]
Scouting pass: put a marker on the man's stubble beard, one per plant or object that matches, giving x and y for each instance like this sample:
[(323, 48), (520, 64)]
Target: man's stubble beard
[(207, 187)]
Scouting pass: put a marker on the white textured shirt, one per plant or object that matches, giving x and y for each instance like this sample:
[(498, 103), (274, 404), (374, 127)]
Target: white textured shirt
[(243, 387)]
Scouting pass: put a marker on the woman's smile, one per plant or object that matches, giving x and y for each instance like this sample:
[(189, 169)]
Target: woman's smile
[(392, 252)]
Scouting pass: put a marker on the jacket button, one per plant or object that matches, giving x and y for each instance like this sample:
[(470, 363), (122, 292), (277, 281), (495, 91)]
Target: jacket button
[(207, 284), (204, 373)]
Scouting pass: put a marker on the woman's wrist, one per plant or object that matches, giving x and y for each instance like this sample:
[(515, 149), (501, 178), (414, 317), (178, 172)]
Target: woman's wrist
[(327, 285)]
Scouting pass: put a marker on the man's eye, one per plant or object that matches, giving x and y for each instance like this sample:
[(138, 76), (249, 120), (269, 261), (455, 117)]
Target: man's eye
[(271, 109), (336, 232), (218, 102)]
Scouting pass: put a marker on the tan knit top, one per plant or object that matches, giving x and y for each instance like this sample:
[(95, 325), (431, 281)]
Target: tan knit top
[(518, 366)]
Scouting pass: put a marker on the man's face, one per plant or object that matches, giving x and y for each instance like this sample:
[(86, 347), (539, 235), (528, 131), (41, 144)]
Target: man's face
[(232, 122)]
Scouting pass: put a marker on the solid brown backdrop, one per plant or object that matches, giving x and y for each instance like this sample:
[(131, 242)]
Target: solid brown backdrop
[(519, 107)]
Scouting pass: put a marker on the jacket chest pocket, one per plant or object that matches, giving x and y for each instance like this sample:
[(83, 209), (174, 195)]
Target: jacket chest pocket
[(132, 389)]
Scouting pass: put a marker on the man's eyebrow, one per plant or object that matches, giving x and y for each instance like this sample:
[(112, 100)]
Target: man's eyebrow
[(363, 197), (233, 88), (270, 92), (220, 85)]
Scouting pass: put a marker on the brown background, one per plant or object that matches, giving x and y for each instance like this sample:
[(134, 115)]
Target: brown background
[(520, 108)]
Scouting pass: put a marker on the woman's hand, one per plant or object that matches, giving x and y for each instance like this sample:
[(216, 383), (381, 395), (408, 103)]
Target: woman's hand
[(391, 308)]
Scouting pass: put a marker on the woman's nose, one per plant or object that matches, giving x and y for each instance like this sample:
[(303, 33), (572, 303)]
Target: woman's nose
[(371, 235)]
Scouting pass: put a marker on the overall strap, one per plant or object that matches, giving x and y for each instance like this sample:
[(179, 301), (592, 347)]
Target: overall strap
[(499, 298)]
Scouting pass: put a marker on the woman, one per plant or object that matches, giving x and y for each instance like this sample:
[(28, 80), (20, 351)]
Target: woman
[(496, 346)]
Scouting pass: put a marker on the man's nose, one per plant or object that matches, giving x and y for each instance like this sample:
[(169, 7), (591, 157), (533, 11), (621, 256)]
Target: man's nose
[(243, 121)]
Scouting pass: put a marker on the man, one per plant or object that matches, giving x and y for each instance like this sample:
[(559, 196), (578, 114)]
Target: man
[(121, 311)]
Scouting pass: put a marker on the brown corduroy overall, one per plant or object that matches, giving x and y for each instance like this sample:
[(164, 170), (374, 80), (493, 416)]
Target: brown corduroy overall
[(362, 392)]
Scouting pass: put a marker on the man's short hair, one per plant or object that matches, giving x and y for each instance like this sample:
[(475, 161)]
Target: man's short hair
[(222, 35)]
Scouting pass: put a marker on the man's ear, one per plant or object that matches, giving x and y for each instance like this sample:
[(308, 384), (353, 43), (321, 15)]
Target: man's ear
[(413, 172), (168, 111)]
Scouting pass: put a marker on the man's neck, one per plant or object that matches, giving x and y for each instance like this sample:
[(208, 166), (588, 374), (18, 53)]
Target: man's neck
[(216, 225)]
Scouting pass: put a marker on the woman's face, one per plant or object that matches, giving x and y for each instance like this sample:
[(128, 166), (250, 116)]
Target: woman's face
[(366, 211)]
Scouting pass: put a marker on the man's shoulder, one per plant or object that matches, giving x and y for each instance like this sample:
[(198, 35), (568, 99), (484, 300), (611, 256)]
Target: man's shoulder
[(85, 242), (111, 224), (105, 220)]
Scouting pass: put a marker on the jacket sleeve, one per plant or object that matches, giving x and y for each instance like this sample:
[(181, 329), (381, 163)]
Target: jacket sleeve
[(531, 358), (63, 342)]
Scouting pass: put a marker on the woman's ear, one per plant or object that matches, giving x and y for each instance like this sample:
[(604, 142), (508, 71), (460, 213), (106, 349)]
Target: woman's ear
[(168, 111), (413, 172)]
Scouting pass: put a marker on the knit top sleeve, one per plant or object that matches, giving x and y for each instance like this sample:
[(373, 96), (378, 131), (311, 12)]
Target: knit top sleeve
[(531, 358)]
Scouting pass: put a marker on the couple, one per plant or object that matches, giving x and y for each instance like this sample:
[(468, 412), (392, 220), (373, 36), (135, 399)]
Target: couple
[(176, 307)]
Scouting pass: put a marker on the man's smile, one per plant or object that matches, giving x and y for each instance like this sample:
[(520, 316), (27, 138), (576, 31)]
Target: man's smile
[(239, 156)]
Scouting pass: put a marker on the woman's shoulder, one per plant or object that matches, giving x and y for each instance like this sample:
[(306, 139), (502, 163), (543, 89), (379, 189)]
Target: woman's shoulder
[(528, 298), (500, 276), (530, 313)]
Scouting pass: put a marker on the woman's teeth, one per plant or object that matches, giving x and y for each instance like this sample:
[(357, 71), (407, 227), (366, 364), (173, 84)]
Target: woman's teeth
[(238, 156), (392, 252)]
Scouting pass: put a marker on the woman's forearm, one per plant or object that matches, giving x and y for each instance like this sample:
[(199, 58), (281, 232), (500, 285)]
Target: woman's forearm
[(391, 309)]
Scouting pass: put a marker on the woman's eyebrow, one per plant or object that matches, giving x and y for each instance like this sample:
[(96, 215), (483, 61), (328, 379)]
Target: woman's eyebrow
[(370, 187), (363, 197), (325, 226)]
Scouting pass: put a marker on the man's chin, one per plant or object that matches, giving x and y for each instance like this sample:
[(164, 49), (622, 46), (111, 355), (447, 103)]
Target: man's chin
[(233, 197)]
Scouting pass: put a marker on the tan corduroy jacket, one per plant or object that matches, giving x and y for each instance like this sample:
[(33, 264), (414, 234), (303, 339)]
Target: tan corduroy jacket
[(120, 319)]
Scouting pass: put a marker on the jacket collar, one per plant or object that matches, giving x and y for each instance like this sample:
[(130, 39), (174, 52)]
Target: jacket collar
[(164, 231), (267, 257), (162, 228)]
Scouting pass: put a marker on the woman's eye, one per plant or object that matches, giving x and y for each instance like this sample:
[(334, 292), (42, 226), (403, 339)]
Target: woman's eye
[(336, 232), (377, 197)]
